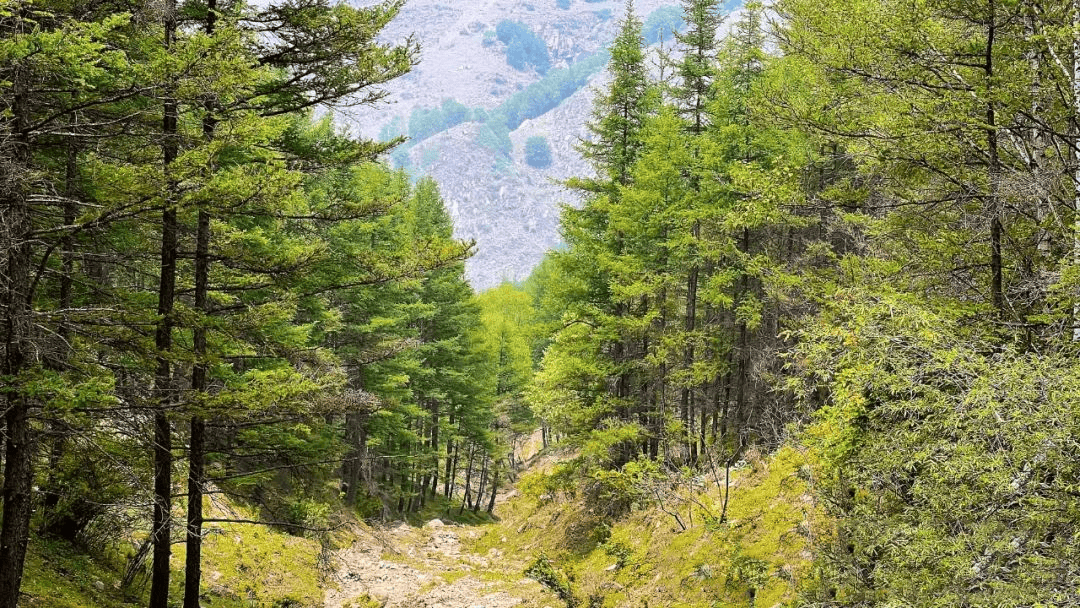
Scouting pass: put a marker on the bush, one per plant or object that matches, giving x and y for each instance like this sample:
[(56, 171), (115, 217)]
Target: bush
[(454, 113), (523, 48), (425, 122), (495, 137), (537, 152), (663, 20), (561, 480), (615, 492), (306, 513), (552, 89), (545, 573)]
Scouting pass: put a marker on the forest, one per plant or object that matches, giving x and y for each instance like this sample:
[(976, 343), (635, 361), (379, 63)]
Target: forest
[(847, 229)]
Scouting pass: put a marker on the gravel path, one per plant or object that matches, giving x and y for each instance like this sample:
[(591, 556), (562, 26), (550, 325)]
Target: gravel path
[(402, 566), (406, 567)]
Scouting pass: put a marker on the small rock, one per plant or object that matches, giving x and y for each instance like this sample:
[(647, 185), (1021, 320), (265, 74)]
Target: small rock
[(611, 567), (435, 523), (100, 586)]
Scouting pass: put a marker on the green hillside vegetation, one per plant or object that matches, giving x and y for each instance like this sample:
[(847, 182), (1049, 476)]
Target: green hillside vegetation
[(523, 48), (245, 565), (537, 152), (757, 556)]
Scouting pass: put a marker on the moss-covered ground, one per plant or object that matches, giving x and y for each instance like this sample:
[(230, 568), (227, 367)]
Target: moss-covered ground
[(754, 558), (244, 565)]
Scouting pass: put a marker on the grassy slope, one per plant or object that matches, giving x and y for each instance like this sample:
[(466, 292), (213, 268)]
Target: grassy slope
[(763, 546), (642, 560), (243, 565)]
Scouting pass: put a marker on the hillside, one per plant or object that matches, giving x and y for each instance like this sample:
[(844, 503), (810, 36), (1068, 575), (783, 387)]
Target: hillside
[(439, 559), (509, 207)]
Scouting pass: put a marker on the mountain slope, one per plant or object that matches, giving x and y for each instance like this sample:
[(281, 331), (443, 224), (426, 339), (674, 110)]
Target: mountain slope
[(509, 207)]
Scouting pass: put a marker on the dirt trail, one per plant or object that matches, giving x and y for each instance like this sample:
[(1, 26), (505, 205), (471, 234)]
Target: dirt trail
[(402, 566), (425, 567)]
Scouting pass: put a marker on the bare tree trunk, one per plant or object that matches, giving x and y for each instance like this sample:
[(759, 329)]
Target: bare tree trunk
[(52, 524), (997, 294), (434, 447), (689, 326), (1076, 157), (453, 476), (483, 482), (494, 490), (468, 482), (199, 381)]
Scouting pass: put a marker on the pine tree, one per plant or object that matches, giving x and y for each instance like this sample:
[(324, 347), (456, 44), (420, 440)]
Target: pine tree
[(619, 112)]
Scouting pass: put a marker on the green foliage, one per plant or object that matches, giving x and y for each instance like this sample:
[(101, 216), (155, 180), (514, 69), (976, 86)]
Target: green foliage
[(617, 491), (495, 136), (425, 122), (747, 573), (562, 480), (661, 24), (545, 94), (523, 48), (940, 487), (545, 572), (620, 551), (537, 152), (658, 564)]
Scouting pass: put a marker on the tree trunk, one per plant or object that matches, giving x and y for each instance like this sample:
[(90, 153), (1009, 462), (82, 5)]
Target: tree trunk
[(480, 489), (494, 490), (453, 476), (163, 389), (53, 523), (1076, 158), (997, 295), (468, 482), (350, 470), (199, 380), (435, 446), (18, 453), (689, 325), (451, 454)]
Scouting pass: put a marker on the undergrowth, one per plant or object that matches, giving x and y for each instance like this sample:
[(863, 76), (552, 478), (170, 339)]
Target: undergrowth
[(754, 557)]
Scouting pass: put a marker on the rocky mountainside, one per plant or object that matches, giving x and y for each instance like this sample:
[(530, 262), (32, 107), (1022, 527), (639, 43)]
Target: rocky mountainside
[(510, 207)]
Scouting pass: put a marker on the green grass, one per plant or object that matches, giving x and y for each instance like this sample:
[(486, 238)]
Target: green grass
[(58, 575), (446, 511), (646, 558), (244, 565)]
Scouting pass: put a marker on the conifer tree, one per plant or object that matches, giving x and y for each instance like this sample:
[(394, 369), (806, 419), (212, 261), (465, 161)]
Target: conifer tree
[(595, 241), (58, 68), (619, 111), (692, 96)]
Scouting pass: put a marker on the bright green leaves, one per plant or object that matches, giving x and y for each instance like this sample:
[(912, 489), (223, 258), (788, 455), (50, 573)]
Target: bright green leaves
[(945, 465)]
